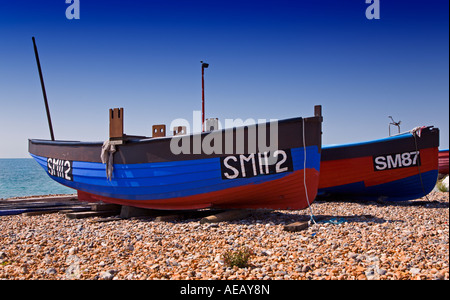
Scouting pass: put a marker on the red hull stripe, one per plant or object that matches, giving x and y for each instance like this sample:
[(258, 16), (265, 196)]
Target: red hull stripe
[(284, 193), (443, 162)]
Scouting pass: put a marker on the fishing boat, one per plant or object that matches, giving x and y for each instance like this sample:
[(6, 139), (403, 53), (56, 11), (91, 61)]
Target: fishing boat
[(443, 162), (400, 167), (179, 172), (227, 168)]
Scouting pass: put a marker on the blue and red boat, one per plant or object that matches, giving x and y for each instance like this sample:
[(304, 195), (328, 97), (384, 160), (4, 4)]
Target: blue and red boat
[(230, 168), (145, 172), (400, 167)]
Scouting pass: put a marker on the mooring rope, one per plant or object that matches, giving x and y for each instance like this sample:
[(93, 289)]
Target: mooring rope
[(417, 132), (107, 157)]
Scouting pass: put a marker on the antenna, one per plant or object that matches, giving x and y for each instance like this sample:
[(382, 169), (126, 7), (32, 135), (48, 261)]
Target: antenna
[(395, 124)]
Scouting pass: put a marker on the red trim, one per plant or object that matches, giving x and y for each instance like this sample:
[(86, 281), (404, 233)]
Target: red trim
[(284, 193), (346, 171), (443, 162)]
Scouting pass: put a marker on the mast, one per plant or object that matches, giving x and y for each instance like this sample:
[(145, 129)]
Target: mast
[(43, 89)]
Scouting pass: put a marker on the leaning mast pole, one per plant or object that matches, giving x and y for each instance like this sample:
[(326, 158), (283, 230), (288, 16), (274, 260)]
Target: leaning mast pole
[(43, 90)]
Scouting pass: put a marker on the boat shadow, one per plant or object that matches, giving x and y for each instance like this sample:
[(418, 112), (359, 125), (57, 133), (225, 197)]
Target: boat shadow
[(286, 217), (382, 203), (259, 217)]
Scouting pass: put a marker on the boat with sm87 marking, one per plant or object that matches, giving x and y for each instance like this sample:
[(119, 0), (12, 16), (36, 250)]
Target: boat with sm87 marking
[(400, 167), (228, 168)]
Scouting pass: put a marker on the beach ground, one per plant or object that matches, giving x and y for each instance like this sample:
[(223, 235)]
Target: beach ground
[(371, 240)]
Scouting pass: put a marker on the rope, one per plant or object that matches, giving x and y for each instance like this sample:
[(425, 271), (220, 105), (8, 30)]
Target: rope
[(107, 157), (304, 175), (416, 132)]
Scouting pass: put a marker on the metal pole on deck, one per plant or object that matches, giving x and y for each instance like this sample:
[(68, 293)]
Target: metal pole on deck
[(43, 89), (204, 66)]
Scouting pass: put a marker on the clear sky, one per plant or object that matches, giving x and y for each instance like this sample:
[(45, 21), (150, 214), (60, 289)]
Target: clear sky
[(268, 59)]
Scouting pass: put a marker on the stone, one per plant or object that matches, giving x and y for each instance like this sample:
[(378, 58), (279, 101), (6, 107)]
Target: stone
[(106, 275), (414, 271), (51, 271), (73, 271), (380, 271)]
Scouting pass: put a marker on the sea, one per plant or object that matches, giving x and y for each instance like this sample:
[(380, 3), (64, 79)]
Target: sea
[(20, 177)]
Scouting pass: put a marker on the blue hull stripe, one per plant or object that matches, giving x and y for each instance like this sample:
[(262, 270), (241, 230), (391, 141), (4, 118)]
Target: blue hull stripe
[(163, 180), (398, 190)]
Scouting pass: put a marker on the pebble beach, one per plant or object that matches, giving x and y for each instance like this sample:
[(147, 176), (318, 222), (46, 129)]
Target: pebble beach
[(365, 241)]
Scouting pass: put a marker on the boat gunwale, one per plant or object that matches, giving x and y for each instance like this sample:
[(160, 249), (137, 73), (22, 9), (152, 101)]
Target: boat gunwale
[(387, 145), (132, 140), (402, 135)]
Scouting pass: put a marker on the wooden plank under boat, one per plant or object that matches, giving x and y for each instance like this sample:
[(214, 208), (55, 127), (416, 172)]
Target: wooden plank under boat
[(147, 174), (443, 162), (400, 167)]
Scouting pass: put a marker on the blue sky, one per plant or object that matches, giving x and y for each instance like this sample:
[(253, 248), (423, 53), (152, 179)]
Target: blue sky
[(268, 59)]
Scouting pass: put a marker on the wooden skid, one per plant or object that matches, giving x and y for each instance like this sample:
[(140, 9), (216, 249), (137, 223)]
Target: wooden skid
[(89, 214), (228, 215)]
